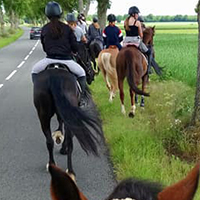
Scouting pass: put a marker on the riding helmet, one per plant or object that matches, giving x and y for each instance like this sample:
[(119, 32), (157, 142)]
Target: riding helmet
[(141, 19), (71, 17), (133, 10), (111, 18), (95, 19), (53, 9)]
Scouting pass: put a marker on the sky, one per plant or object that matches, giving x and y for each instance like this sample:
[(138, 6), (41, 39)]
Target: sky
[(155, 7)]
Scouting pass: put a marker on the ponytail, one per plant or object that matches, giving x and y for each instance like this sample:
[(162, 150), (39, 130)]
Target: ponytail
[(56, 28)]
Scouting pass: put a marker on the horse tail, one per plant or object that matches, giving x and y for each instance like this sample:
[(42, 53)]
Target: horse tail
[(156, 67), (129, 63), (84, 124), (105, 57)]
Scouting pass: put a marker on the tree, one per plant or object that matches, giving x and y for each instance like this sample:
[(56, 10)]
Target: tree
[(102, 7), (196, 113), (1, 18)]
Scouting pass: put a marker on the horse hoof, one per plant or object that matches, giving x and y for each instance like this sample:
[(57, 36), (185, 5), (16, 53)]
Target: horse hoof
[(142, 105), (131, 115), (47, 166), (72, 175), (58, 137), (63, 151)]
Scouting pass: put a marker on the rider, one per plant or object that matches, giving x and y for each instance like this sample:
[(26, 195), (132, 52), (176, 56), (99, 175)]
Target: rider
[(134, 33), (72, 22), (82, 22), (59, 41), (95, 33), (112, 35)]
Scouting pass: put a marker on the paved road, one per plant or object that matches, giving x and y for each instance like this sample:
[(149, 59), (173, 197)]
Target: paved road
[(23, 153)]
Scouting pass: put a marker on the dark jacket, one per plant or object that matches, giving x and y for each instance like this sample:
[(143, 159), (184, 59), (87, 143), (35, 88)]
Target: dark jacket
[(94, 33), (59, 48), (112, 35)]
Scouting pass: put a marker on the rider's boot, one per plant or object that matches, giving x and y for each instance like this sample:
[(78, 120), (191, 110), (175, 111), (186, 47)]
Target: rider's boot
[(148, 53), (82, 82)]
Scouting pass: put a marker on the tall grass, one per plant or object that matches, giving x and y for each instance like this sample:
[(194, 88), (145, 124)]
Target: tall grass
[(152, 145), (10, 37)]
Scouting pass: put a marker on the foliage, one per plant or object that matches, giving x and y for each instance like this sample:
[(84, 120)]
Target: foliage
[(163, 18)]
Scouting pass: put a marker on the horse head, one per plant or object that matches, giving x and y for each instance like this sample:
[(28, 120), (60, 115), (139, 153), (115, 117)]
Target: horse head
[(148, 35)]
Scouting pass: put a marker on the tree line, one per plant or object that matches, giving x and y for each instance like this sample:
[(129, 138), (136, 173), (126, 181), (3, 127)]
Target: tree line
[(163, 18), (13, 11)]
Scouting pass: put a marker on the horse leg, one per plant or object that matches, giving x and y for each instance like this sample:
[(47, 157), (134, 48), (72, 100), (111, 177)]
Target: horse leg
[(142, 101), (121, 93), (132, 111), (144, 82), (68, 143), (45, 125), (58, 134), (136, 99)]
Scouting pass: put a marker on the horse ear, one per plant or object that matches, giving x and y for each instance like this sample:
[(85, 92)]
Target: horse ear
[(62, 185), (184, 189)]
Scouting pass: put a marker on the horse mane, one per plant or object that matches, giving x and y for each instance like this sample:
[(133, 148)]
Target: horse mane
[(136, 189)]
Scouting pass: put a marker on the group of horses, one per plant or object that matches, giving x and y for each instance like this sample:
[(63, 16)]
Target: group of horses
[(131, 63), (56, 92)]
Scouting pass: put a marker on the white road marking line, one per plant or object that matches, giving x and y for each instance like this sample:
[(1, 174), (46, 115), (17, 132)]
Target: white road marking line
[(26, 57), (11, 75), (21, 64)]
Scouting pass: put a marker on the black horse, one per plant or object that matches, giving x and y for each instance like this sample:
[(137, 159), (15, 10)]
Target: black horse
[(94, 48), (83, 59), (56, 92)]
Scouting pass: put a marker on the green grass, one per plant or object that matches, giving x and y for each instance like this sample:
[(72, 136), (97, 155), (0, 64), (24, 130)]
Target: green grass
[(154, 144), (10, 37)]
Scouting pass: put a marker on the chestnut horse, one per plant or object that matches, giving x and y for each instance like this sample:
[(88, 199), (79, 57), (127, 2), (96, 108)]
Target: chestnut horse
[(107, 65), (64, 188), (132, 64)]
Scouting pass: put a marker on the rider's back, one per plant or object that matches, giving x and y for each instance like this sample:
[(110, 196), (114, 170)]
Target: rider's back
[(58, 46)]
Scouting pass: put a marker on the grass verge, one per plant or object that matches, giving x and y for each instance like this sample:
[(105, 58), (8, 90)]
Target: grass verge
[(4, 41)]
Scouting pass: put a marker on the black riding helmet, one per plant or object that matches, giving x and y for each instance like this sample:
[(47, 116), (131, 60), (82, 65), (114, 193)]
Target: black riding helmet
[(71, 17), (95, 19), (53, 9), (133, 10), (111, 18)]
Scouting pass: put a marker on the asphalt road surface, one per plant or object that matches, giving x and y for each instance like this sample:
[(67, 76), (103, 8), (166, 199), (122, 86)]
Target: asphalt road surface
[(23, 152)]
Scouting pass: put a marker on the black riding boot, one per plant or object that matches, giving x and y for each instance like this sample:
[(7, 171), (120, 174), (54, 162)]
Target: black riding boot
[(82, 82), (148, 53)]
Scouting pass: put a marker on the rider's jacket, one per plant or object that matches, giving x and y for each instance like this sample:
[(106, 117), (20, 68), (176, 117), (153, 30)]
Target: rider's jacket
[(94, 33), (112, 35), (59, 48)]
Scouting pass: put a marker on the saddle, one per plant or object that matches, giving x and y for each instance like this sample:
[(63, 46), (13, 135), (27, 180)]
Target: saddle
[(58, 66), (63, 67)]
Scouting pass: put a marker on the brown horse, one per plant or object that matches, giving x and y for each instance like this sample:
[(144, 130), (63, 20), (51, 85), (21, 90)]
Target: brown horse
[(63, 188), (107, 65), (148, 35), (132, 64)]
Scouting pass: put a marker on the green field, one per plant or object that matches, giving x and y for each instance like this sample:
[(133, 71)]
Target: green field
[(155, 145)]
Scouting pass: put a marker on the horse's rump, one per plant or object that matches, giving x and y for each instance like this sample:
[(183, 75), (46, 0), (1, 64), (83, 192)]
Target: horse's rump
[(131, 64), (56, 91)]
